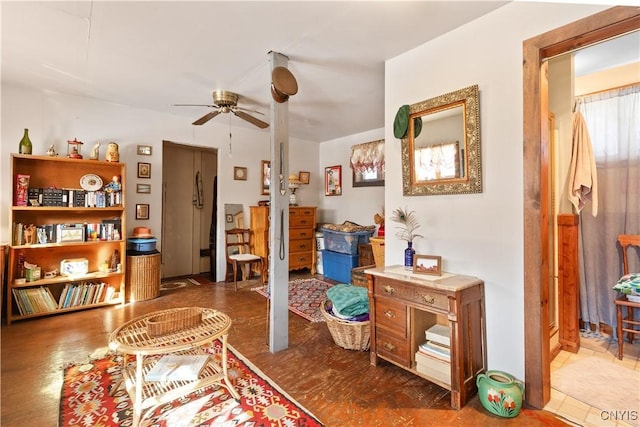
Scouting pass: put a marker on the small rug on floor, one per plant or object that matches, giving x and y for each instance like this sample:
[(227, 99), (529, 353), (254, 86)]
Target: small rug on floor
[(600, 383), (85, 399), (305, 297), (196, 280)]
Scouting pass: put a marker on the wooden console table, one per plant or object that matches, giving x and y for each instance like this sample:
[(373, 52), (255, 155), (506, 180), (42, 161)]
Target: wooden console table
[(404, 305), (133, 338)]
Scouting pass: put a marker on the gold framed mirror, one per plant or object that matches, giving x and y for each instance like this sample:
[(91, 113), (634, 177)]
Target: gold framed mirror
[(443, 157)]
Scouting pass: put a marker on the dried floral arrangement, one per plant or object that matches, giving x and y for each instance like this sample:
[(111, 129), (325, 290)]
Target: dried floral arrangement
[(409, 224)]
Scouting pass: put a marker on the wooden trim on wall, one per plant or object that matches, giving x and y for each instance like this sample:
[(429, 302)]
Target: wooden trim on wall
[(595, 28)]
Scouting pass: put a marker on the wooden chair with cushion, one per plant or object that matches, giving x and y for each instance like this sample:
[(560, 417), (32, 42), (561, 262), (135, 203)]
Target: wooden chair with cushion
[(626, 323), (238, 249)]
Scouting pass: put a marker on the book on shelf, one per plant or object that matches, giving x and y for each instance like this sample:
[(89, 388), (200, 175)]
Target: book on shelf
[(176, 367), (439, 351), (439, 334), (433, 367)]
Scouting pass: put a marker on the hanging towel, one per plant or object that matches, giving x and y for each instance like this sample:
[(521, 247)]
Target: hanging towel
[(583, 178)]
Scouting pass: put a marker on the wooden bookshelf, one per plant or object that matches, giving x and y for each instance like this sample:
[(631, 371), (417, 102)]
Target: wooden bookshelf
[(101, 284)]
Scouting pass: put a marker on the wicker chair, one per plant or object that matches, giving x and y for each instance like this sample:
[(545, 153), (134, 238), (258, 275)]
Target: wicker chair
[(238, 249)]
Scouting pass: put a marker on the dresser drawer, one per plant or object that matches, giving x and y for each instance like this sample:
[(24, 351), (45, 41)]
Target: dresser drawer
[(301, 233), (298, 212), (302, 222), (300, 259), (422, 295), (393, 348), (392, 315), (301, 245)]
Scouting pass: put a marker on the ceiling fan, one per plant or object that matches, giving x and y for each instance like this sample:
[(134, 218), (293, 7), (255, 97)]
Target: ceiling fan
[(226, 102)]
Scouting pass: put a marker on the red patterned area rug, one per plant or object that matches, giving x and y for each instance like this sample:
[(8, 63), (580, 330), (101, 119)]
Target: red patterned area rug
[(305, 297), (85, 399)]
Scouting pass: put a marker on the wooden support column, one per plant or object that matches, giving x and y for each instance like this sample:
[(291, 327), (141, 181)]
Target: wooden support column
[(568, 283), (279, 218)]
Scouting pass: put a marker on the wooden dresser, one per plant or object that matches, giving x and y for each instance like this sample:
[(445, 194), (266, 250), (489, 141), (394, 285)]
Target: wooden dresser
[(404, 305), (302, 224)]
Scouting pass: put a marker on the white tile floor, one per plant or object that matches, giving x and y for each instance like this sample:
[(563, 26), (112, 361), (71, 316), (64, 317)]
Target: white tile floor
[(575, 411)]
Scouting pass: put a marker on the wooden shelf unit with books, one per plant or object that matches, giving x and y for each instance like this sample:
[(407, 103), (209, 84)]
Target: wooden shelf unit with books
[(97, 284), (405, 305)]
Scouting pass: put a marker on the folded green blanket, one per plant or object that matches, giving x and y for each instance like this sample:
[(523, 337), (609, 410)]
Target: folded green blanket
[(349, 300), (629, 284)]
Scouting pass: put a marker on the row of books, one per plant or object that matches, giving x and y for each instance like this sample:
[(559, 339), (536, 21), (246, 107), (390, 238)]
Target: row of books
[(41, 300), (69, 197), (434, 355), (34, 300), (86, 293)]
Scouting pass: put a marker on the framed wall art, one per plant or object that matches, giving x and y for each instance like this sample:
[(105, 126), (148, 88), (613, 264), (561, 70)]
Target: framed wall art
[(427, 264), (142, 211), (144, 170), (143, 188), (144, 150), (304, 177), (333, 181), (239, 173), (266, 177)]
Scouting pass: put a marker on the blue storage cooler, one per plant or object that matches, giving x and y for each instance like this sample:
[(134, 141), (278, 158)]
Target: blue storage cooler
[(338, 266)]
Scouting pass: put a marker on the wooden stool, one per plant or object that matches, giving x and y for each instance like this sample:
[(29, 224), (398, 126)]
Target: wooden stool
[(626, 323)]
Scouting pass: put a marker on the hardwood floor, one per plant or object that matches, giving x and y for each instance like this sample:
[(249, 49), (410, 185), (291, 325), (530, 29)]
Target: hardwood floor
[(339, 386)]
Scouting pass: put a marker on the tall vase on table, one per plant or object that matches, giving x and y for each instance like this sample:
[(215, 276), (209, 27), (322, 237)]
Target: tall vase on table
[(409, 253)]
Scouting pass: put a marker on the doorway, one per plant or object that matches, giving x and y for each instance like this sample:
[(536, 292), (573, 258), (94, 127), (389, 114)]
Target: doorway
[(188, 204), (610, 23)]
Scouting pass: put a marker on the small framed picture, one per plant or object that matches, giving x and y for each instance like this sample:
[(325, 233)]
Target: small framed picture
[(333, 181), (143, 188), (266, 177), (144, 170), (229, 218), (427, 264), (142, 211), (144, 150), (304, 177), (239, 173)]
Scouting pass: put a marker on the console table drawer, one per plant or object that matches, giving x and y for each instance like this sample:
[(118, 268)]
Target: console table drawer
[(301, 221), (393, 348), (301, 233), (420, 294), (392, 315), (300, 259), (394, 289), (431, 298)]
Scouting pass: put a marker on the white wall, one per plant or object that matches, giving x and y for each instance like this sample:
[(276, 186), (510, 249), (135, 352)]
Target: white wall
[(477, 234), (357, 204), (54, 118)]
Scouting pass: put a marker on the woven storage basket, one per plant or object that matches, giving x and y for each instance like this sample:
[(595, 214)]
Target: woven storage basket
[(347, 334), (181, 318), (377, 244), (143, 277)]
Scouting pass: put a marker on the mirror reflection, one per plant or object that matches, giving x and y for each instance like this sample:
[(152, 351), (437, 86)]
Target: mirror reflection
[(444, 156)]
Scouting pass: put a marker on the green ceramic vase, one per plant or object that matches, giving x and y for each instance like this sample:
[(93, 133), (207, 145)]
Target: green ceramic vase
[(500, 393)]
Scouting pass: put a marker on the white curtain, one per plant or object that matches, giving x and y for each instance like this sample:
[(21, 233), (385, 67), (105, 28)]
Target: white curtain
[(613, 122)]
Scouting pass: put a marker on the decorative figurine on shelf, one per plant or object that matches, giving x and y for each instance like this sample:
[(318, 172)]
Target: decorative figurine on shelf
[(30, 234), (379, 220), (51, 152), (112, 153), (114, 185), (74, 149), (95, 152)]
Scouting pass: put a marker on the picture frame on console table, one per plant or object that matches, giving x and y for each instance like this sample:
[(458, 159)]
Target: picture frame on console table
[(427, 264)]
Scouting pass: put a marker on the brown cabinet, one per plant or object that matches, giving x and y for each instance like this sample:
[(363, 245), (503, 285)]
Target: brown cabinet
[(61, 225), (302, 224), (405, 305)]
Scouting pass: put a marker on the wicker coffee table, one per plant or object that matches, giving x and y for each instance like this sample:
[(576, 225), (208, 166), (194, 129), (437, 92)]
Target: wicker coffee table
[(182, 331)]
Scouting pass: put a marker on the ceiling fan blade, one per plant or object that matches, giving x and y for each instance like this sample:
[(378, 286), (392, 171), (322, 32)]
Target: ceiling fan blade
[(204, 119), (250, 111), (194, 105), (251, 119)]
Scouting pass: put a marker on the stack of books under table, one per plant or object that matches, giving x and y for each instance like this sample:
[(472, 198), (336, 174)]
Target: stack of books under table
[(434, 355)]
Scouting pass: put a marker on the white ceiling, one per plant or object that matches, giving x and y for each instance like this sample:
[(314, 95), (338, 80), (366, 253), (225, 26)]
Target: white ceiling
[(154, 54)]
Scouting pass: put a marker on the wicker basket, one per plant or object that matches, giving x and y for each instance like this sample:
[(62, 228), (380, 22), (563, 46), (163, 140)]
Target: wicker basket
[(180, 318), (347, 334), (377, 244)]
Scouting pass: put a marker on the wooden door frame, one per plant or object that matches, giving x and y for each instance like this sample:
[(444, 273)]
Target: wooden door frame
[(601, 26)]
